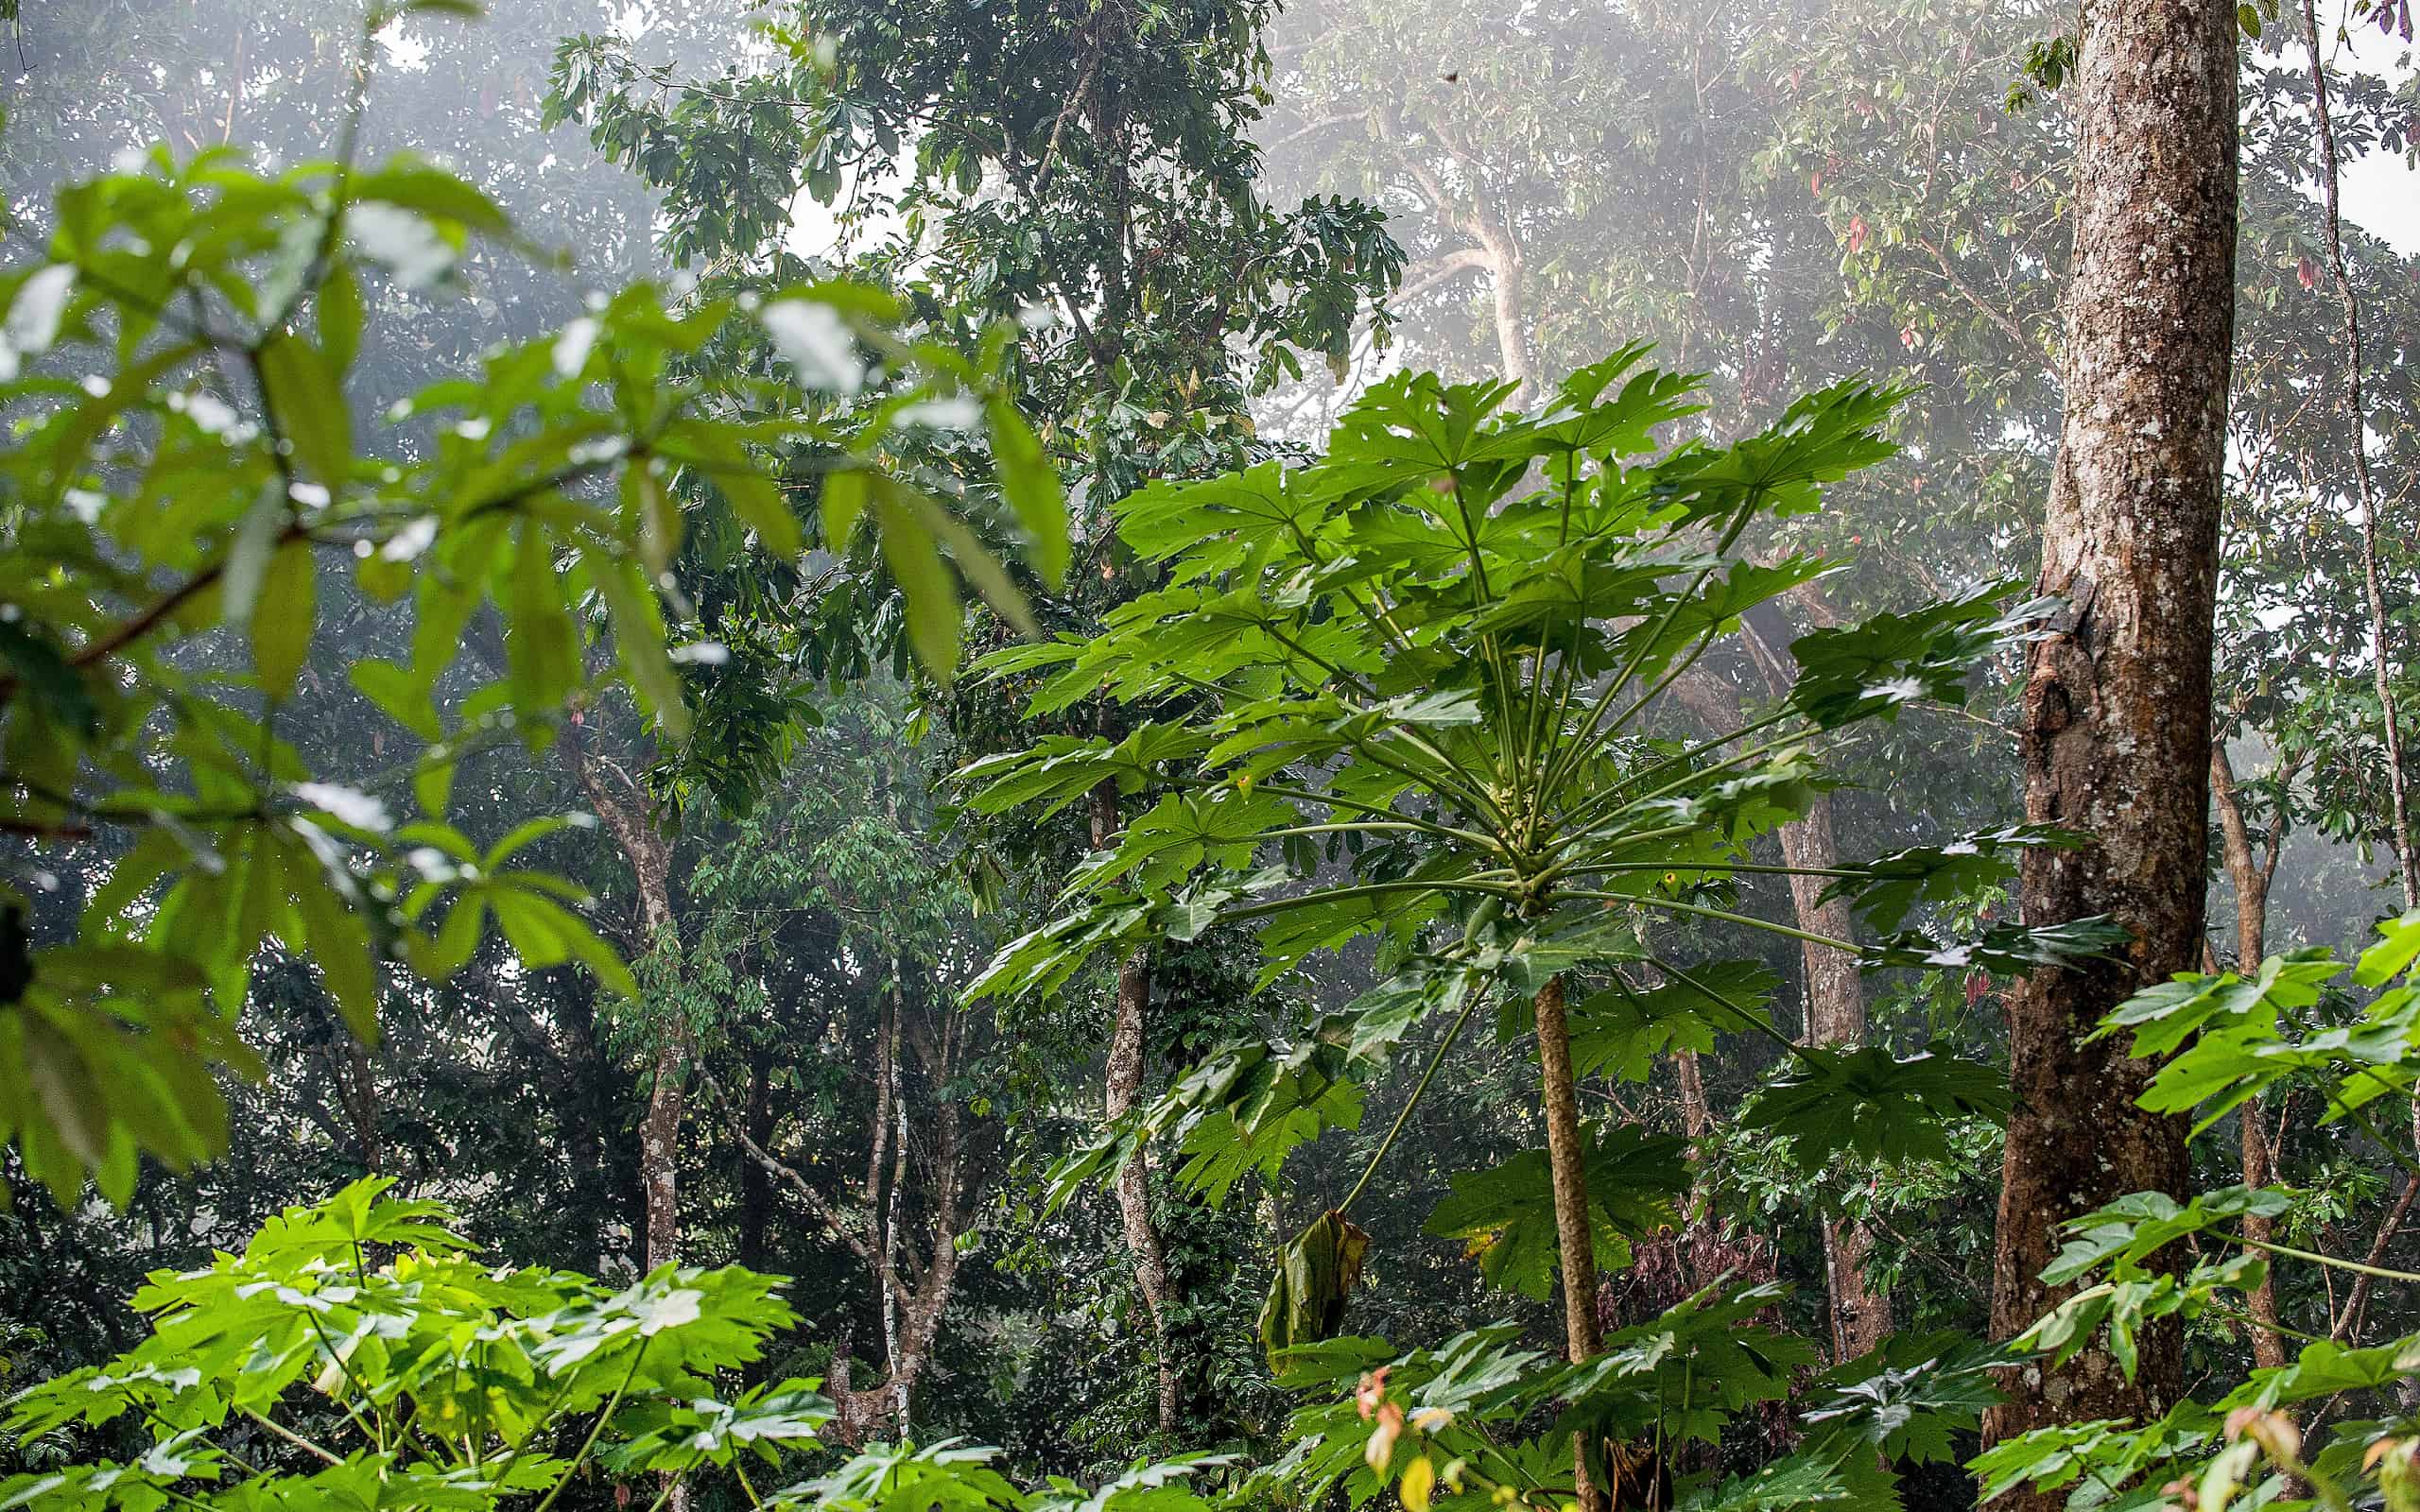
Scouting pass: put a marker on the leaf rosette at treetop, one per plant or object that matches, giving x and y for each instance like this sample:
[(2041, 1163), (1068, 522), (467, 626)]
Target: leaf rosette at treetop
[(185, 480), (1408, 692)]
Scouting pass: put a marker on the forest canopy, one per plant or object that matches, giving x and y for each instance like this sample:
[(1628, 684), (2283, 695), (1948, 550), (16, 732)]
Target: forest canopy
[(1185, 756)]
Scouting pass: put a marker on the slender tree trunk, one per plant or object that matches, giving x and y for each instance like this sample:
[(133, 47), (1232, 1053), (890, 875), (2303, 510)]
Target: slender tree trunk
[(668, 1095), (1835, 994), (649, 851), (755, 1182), (1567, 1155), (1123, 1085), (2251, 875), (1476, 217), (360, 1089), (1696, 1117), (1835, 1016), (2406, 856), (1511, 322), (2116, 723)]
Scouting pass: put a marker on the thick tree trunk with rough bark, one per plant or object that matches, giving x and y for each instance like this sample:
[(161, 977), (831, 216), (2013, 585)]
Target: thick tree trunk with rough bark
[(1123, 1085), (2115, 722)]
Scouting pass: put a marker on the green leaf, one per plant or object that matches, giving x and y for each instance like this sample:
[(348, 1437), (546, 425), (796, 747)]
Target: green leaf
[(44, 676), (1867, 1102), (1031, 485), (845, 493), (541, 643), (285, 617), (1507, 1212), (403, 693), (924, 583), (339, 309), (1894, 884), (340, 945), (305, 396), (738, 478)]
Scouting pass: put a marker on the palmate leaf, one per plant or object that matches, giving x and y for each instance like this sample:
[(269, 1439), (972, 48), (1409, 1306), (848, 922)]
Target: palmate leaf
[(1823, 437), (1620, 1032), (1794, 1481), (1895, 659), (1249, 1102), (1910, 1398), (676, 1435), (1634, 1181), (950, 1476), (1683, 1372), (376, 1305), (1241, 513), (2003, 950), (1061, 769), (1888, 886), (1483, 1378), (1427, 666), (1868, 1101)]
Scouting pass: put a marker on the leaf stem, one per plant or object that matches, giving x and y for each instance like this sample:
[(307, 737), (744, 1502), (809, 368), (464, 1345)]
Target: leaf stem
[(1676, 906), (2381, 1272), (291, 1437), (1422, 1086), (579, 1456)]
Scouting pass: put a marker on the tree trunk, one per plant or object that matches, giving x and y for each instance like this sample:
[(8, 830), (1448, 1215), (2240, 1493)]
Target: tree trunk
[(1567, 1155), (360, 1092), (1696, 1117), (660, 1155), (649, 851), (2406, 855), (1123, 1085), (2116, 723), (755, 1182), (1835, 993), (2251, 874), (1477, 217)]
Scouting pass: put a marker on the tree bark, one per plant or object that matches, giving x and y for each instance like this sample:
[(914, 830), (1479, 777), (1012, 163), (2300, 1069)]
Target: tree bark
[(1123, 1085), (2251, 871), (1835, 993), (1696, 1117), (2115, 719), (755, 1182), (649, 851), (650, 857), (1568, 1157)]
